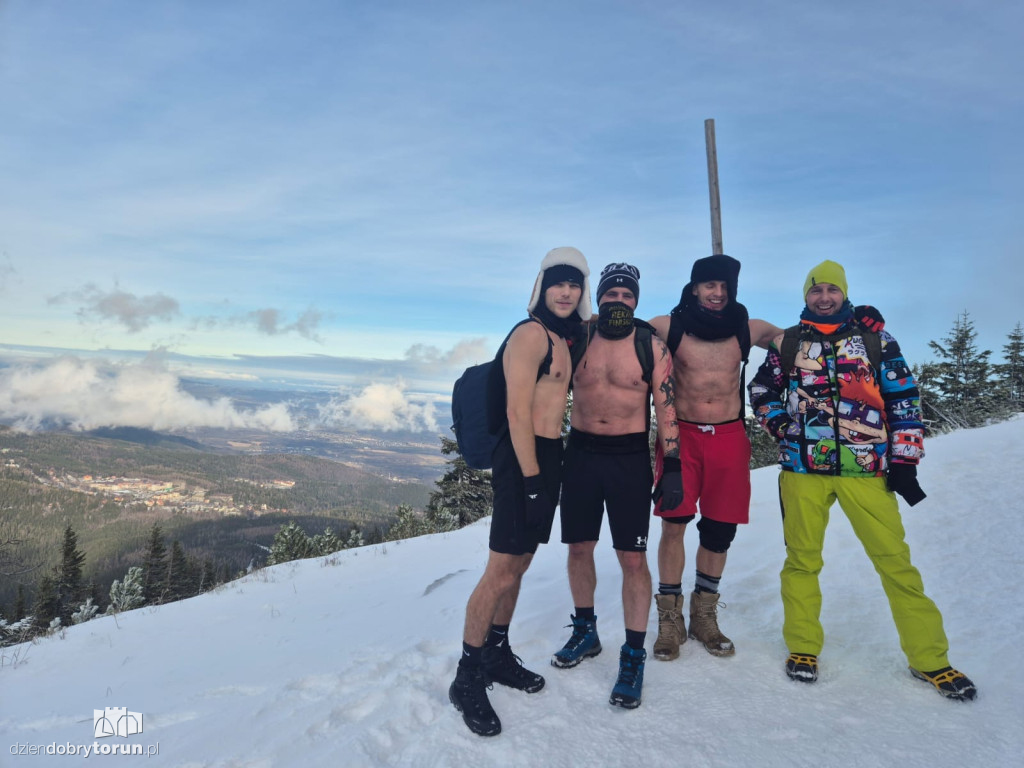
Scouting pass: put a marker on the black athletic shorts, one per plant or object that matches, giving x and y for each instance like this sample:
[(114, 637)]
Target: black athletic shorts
[(508, 523), (607, 471)]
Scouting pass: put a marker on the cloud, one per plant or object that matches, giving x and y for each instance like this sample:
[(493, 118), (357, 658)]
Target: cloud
[(88, 394), (131, 311), (468, 351), (268, 321), (380, 406)]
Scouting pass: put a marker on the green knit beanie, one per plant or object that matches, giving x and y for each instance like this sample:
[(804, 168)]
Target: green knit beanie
[(827, 272)]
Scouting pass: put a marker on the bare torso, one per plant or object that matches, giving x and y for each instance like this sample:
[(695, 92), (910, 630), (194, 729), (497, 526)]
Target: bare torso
[(707, 374), (549, 392), (609, 392)]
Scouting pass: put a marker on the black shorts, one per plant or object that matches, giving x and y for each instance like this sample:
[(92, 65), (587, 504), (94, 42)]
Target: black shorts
[(508, 523), (607, 471)]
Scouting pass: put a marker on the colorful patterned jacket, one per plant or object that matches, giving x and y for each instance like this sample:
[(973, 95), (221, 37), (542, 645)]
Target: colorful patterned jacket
[(833, 413)]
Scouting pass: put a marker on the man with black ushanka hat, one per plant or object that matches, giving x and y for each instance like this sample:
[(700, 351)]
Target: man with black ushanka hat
[(709, 336), (608, 466), (534, 368)]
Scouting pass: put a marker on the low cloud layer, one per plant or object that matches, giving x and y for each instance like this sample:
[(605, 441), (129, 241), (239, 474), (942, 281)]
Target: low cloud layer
[(86, 394), (127, 309), (464, 353), (380, 406)]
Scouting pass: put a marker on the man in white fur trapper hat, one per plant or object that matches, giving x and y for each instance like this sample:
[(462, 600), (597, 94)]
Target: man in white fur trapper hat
[(536, 367)]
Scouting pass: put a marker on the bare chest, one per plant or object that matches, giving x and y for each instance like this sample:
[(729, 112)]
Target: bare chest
[(609, 364)]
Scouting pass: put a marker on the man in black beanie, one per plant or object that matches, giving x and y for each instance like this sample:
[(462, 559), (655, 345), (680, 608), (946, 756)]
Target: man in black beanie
[(608, 467), (709, 335)]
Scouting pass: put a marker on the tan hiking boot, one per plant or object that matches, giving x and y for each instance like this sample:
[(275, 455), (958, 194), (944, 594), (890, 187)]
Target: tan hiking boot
[(704, 624), (671, 627)]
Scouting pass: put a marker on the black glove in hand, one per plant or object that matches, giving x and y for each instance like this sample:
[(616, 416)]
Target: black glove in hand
[(902, 479), (670, 486), (540, 509), (868, 317)]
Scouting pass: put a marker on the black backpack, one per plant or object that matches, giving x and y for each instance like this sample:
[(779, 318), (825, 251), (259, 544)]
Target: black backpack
[(675, 335), (478, 405)]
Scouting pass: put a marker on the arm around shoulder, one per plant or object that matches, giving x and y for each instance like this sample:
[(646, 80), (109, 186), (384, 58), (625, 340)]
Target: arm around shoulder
[(762, 333)]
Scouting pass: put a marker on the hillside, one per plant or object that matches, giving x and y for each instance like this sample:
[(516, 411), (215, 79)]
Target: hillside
[(221, 506)]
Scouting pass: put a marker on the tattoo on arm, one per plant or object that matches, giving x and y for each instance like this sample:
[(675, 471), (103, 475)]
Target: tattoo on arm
[(669, 390), (672, 447)]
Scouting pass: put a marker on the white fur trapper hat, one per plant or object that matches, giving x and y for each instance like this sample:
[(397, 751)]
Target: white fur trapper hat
[(572, 257)]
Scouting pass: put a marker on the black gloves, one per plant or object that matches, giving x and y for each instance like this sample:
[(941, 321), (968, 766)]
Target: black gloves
[(540, 509), (868, 317), (902, 479), (670, 486)]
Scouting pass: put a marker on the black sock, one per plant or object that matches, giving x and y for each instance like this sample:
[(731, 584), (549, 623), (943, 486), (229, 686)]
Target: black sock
[(586, 614), (706, 583), (497, 635), (669, 589), (635, 640), (470, 655)]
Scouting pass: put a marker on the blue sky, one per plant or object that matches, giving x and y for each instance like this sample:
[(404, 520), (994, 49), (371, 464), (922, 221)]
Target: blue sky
[(381, 179)]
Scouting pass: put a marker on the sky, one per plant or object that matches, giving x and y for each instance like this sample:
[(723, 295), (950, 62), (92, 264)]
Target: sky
[(346, 660), (253, 188)]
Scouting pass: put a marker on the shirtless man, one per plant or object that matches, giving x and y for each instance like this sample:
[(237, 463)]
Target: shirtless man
[(715, 450), (608, 463), (526, 478)]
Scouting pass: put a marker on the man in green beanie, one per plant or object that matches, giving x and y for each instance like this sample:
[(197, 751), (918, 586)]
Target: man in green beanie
[(838, 396)]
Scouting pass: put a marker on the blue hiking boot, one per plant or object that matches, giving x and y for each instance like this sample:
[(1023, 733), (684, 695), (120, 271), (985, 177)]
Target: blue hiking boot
[(626, 693), (583, 644)]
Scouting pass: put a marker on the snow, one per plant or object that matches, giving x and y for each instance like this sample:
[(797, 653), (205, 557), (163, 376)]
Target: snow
[(346, 660)]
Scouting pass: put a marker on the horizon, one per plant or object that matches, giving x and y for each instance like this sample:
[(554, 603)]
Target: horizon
[(357, 194)]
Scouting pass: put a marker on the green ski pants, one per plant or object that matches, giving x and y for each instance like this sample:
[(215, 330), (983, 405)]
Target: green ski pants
[(874, 514)]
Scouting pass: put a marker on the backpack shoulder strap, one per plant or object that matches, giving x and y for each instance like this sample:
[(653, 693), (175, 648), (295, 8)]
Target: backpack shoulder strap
[(790, 344), (873, 343), (644, 344), (675, 333)]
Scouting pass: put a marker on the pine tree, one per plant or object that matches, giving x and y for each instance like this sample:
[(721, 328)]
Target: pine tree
[(20, 604), (327, 543), (46, 608), (129, 593), (179, 583), (68, 576), (355, 538), (290, 543), (1011, 372), (86, 611), (463, 495), (958, 384), (764, 451), (208, 579), (408, 525), (154, 568)]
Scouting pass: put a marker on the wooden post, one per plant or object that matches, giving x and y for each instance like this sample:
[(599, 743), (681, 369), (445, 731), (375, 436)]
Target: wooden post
[(716, 204)]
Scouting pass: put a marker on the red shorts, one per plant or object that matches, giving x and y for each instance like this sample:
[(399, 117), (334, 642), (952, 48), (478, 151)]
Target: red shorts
[(716, 472)]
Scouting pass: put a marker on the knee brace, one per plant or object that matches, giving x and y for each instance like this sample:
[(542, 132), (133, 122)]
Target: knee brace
[(715, 536)]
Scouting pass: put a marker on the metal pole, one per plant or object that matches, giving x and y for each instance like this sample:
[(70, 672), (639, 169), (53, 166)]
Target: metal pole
[(716, 204)]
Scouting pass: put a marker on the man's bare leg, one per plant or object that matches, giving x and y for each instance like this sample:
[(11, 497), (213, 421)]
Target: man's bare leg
[(711, 563), (671, 553), (494, 599), (582, 573), (636, 590)]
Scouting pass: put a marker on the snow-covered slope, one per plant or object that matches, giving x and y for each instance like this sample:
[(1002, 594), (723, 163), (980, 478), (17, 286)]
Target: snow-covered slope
[(346, 660)]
